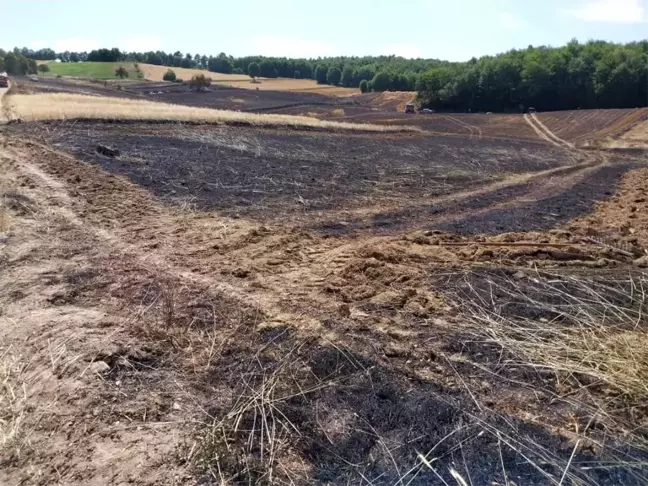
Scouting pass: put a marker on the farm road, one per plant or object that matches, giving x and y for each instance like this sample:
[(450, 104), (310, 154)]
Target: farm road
[(3, 117)]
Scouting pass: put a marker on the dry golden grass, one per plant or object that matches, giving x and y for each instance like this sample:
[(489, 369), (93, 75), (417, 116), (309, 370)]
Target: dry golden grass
[(295, 85), (63, 106), (155, 73), (393, 100), (638, 133), (598, 329)]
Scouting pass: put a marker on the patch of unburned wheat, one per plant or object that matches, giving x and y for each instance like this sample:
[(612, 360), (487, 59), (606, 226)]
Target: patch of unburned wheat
[(65, 106)]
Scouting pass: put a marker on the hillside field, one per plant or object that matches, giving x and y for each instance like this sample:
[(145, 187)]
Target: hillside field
[(95, 70), (106, 71)]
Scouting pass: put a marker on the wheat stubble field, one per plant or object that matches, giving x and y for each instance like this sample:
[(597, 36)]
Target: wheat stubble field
[(193, 296)]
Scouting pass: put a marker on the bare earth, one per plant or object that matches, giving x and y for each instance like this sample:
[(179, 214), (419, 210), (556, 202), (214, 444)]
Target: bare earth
[(258, 305)]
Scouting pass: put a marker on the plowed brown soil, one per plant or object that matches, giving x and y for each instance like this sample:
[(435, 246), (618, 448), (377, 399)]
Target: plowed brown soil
[(582, 125)]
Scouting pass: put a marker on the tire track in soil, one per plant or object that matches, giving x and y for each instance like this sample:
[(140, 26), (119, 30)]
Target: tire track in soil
[(302, 277), (303, 273), (470, 127), (268, 300), (6, 113), (519, 189), (546, 134)]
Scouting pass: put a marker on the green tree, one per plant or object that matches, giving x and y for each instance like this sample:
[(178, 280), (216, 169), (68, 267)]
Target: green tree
[(200, 82), (220, 64), (347, 76), (267, 69), (297, 74), (381, 81), (11, 64), (170, 75), (43, 68), (333, 76), (320, 74), (106, 55), (121, 72), (363, 72), (253, 70), (187, 61), (364, 86), (32, 67)]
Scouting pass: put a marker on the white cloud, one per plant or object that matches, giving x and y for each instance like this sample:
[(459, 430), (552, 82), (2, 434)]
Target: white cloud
[(409, 51), (75, 44), (509, 21), (80, 44), (37, 44), (140, 44), (611, 11), (268, 45)]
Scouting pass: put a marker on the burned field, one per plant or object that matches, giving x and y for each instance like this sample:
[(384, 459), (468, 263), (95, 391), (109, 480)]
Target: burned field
[(581, 125), (299, 307), (267, 174), (227, 98)]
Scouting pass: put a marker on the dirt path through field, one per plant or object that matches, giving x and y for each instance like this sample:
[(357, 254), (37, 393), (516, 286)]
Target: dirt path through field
[(5, 114), (63, 416), (546, 134), (518, 189), (473, 129)]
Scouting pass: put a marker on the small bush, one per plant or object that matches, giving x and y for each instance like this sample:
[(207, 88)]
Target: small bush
[(43, 68), (179, 80), (337, 112), (170, 75), (200, 82), (121, 72), (364, 86)]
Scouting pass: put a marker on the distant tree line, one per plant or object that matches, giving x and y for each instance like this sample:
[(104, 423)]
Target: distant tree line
[(595, 74), (14, 62)]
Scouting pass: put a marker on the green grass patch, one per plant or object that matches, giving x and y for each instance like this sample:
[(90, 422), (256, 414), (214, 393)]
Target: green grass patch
[(94, 70)]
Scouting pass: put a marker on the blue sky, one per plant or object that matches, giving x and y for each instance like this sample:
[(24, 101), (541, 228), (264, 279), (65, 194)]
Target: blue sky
[(455, 30)]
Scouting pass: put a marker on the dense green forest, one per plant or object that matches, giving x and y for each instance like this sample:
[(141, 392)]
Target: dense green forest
[(592, 75), (595, 74)]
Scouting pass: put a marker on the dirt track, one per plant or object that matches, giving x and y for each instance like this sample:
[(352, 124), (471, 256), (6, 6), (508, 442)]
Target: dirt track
[(227, 276), (3, 116)]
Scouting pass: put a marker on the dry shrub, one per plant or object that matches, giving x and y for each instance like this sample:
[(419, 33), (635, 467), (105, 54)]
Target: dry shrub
[(588, 334), (14, 436), (338, 112), (573, 325), (62, 106)]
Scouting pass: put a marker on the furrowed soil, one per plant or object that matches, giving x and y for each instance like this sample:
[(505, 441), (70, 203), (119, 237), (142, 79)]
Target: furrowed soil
[(232, 305)]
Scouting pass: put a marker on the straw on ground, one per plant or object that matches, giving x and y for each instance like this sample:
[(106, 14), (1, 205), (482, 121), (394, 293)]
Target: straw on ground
[(64, 106)]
